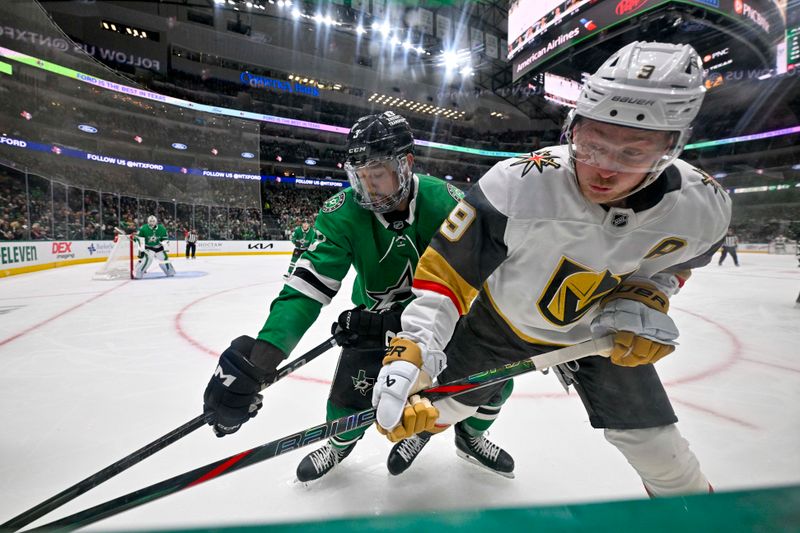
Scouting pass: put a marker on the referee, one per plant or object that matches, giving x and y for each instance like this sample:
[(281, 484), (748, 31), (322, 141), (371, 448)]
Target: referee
[(729, 247), (191, 243)]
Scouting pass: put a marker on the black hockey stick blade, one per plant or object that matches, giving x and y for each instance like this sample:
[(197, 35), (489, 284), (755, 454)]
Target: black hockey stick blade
[(139, 455), (315, 434)]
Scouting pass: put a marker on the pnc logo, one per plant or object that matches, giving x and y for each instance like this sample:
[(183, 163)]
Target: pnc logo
[(628, 6), (62, 247)]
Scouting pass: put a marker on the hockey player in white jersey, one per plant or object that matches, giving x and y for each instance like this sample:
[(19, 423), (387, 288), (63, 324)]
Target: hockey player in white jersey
[(565, 244)]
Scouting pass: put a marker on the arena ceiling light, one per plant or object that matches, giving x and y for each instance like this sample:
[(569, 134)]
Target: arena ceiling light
[(459, 60), (123, 29), (417, 107)]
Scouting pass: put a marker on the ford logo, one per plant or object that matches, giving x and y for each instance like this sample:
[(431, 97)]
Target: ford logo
[(87, 128), (179, 146), (248, 155)]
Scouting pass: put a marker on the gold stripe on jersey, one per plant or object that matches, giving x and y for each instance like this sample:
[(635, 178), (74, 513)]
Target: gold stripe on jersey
[(517, 332), (434, 268)]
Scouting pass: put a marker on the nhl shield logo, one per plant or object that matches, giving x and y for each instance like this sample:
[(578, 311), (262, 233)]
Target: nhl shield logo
[(619, 220)]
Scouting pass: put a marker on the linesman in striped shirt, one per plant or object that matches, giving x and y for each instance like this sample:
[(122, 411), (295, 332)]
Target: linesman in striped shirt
[(191, 242), (729, 247)]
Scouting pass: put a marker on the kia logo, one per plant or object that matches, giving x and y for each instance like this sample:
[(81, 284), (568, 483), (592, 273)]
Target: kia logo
[(628, 6)]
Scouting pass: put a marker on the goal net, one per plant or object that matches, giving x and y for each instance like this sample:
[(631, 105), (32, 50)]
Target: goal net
[(119, 264), (782, 248)]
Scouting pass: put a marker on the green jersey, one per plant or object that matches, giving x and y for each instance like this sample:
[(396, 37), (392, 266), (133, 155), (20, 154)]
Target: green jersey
[(383, 251), (153, 236), (303, 239)]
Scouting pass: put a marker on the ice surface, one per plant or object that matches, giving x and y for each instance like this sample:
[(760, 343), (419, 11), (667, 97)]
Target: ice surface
[(93, 370)]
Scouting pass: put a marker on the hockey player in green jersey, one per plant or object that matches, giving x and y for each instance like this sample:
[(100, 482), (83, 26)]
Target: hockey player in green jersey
[(380, 226), (302, 237), (151, 239)]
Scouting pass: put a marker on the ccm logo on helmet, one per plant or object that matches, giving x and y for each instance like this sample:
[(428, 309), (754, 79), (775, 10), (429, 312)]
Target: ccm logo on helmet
[(357, 149), (634, 101)]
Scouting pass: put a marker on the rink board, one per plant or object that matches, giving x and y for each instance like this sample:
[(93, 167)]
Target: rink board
[(20, 257), (774, 509)]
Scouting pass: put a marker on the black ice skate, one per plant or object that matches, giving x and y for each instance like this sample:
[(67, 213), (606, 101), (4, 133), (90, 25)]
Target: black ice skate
[(404, 452), (482, 452), (321, 461)]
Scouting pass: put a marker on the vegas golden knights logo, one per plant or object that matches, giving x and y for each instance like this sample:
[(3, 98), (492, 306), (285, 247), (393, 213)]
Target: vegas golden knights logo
[(573, 290)]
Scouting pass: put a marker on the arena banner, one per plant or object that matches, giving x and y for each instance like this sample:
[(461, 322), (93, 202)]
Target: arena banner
[(761, 15), (20, 257)]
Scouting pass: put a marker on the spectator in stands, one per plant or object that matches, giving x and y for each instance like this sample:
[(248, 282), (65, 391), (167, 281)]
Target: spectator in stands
[(38, 233)]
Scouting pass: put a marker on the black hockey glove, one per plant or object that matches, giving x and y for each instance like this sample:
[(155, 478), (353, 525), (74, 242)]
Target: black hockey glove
[(361, 328), (232, 395)]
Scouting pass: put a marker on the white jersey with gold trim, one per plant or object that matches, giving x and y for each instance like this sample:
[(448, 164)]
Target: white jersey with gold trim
[(544, 257)]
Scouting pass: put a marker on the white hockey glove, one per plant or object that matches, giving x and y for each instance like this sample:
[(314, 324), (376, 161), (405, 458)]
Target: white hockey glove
[(403, 374), (637, 313)]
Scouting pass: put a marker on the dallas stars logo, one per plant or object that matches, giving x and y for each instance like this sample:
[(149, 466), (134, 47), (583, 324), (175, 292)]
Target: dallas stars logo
[(398, 292), (362, 383), (539, 160)]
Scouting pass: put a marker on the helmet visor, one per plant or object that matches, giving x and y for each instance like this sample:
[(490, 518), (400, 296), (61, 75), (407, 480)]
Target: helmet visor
[(379, 185), (621, 149)]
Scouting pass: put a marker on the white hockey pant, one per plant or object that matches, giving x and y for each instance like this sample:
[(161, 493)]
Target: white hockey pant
[(662, 458), (452, 411)]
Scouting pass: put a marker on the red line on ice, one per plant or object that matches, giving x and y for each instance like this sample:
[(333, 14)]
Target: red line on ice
[(179, 317), (736, 353), (773, 365), (191, 340), (714, 413), (59, 315)]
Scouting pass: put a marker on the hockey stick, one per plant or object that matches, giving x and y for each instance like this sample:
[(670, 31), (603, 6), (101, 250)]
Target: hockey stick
[(123, 464), (317, 433)]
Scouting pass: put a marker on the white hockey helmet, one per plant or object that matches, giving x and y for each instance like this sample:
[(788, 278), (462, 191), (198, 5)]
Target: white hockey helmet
[(152, 221), (653, 86)]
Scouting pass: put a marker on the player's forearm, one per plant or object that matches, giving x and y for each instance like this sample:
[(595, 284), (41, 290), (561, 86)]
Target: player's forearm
[(290, 316), (668, 283), (430, 319)]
